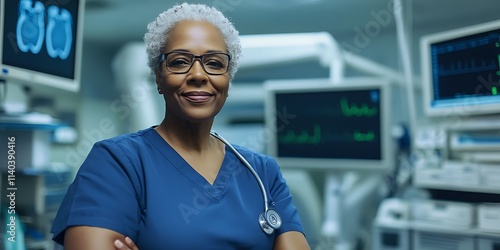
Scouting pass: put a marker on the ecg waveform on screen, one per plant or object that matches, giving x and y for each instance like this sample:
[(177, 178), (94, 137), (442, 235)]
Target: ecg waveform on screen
[(302, 137), (352, 109), (316, 136), (363, 137), (472, 66)]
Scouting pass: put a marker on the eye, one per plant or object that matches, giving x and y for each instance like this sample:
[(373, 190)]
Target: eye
[(215, 64), (179, 62)]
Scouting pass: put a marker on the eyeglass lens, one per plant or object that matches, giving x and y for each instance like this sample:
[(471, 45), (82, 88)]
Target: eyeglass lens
[(213, 63)]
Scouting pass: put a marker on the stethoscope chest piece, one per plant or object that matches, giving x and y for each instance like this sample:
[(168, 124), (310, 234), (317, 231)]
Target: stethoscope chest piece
[(269, 221), (273, 218)]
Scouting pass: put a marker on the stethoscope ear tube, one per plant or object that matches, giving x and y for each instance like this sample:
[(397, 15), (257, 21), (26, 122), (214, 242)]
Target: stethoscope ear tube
[(269, 220)]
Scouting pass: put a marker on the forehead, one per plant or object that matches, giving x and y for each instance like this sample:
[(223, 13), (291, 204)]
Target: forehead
[(196, 37)]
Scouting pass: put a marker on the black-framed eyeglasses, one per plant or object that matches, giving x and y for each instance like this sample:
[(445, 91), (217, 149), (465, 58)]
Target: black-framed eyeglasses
[(214, 63)]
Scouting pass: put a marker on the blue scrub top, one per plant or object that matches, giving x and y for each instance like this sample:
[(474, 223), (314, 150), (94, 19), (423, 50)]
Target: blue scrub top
[(139, 186)]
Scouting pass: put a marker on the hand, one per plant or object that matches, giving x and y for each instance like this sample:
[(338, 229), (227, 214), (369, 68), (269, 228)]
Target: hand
[(128, 245)]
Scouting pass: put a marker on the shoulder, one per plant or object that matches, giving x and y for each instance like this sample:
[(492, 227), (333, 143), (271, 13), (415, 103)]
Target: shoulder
[(252, 154), (124, 149), (126, 141), (259, 161)]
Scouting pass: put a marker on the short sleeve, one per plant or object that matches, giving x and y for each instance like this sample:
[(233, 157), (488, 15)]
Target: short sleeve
[(105, 193), (280, 195)]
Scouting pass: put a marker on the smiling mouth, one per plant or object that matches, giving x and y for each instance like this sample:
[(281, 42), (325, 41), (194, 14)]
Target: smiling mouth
[(197, 96)]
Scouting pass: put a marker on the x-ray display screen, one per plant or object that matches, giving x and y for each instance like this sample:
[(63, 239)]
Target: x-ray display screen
[(40, 35)]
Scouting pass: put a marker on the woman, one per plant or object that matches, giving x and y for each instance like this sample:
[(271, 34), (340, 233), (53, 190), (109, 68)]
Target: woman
[(176, 185)]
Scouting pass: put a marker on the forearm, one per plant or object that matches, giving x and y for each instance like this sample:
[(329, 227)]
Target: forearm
[(291, 241), (84, 238)]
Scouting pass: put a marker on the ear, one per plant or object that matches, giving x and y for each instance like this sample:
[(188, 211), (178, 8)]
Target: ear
[(158, 78)]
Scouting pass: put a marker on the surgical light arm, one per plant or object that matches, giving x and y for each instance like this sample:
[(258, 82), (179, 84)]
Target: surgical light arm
[(274, 49)]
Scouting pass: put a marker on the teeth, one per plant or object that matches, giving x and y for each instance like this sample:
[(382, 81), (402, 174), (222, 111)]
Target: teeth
[(59, 32), (30, 26)]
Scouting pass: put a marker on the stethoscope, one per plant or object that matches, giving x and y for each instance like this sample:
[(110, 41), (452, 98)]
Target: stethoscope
[(269, 220)]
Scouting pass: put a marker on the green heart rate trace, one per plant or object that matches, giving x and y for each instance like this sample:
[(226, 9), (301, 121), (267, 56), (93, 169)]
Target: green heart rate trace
[(355, 110), (302, 137), (316, 137), (363, 137)]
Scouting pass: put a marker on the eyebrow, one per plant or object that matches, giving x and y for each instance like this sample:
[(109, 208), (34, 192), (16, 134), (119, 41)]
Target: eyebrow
[(209, 51)]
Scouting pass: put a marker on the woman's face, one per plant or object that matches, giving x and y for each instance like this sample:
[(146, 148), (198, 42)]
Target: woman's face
[(194, 96)]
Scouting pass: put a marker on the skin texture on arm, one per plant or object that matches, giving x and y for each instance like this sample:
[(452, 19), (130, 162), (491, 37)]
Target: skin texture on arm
[(288, 241), (84, 238), (292, 240)]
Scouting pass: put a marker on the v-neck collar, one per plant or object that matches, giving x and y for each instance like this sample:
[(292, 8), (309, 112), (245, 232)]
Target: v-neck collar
[(217, 189)]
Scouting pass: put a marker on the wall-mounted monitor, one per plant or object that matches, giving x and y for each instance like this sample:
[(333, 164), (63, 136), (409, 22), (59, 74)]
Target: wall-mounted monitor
[(461, 71), (41, 43), (314, 124)]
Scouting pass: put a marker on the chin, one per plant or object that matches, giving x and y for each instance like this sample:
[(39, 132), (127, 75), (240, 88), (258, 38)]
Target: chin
[(200, 117)]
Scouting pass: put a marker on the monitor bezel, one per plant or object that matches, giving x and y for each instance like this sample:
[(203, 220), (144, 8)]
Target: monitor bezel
[(272, 87), (36, 79), (463, 107)]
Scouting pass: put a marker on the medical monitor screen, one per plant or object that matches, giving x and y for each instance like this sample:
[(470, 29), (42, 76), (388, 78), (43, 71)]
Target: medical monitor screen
[(339, 124), (463, 71), (343, 124), (41, 42)]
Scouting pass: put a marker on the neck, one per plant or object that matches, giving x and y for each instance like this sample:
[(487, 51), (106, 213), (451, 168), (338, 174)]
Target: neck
[(188, 136)]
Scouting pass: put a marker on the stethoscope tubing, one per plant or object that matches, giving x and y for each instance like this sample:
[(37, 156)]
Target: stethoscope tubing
[(247, 164)]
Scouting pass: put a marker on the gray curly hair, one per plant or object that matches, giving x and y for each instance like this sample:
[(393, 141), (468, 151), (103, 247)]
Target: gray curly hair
[(157, 34)]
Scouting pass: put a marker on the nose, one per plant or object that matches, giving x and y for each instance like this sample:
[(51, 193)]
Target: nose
[(197, 74), (197, 65)]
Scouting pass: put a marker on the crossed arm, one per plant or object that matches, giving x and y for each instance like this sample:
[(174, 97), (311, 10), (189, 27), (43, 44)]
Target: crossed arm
[(84, 237)]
